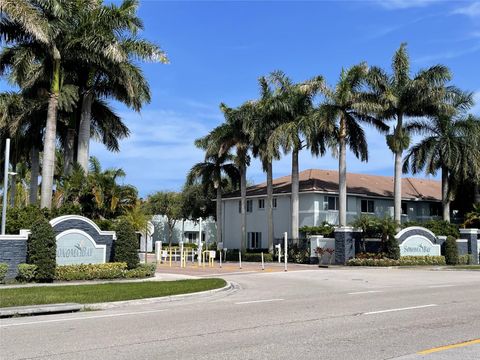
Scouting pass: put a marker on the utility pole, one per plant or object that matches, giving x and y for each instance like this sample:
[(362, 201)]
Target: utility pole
[(5, 184)]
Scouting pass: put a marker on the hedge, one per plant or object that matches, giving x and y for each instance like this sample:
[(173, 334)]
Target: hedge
[(450, 251), (3, 271), (403, 261), (126, 245), (232, 255), (103, 271), (26, 272), (41, 250), (464, 259)]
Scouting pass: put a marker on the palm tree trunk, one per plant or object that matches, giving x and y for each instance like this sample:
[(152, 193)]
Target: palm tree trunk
[(397, 182), (476, 195), (48, 165), (84, 131), (270, 206), (219, 214), (69, 152), (243, 205), (295, 196), (342, 176), (35, 164), (445, 195)]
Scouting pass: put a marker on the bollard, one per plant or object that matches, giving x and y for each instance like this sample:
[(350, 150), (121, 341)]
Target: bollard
[(263, 265), (285, 251), (158, 251), (193, 256), (240, 258), (175, 254)]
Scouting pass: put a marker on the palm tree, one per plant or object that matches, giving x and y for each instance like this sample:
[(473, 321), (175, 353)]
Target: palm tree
[(211, 173), (445, 147), (402, 96), (347, 106), (296, 127)]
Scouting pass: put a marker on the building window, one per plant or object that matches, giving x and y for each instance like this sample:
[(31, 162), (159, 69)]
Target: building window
[(261, 204), (368, 206), (330, 203), (249, 206), (254, 240), (274, 202), (435, 209), (404, 208)]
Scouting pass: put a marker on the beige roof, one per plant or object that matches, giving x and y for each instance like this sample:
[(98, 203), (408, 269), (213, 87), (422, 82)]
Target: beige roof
[(367, 185)]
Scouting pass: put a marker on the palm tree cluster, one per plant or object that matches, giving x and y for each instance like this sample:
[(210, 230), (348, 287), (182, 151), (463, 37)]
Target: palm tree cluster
[(67, 58), (289, 117)]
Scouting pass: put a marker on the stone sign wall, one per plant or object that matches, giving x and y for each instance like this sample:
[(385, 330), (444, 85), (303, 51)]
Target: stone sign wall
[(418, 241)]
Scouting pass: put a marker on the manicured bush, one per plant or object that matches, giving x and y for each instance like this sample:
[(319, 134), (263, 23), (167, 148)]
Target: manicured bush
[(105, 224), (142, 271), (392, 249), (91, 271), (19, 218), (438, 227), (26, 272), (126, 245), (232, 255), (326, 229), (3, 271), (450, 251), (41, 250), (464, 259), (403, 261)]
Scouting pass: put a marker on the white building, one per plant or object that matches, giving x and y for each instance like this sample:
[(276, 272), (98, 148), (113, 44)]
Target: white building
[(366, 194), (184, 230)]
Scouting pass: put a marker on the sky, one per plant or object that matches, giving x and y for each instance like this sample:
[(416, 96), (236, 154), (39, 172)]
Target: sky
[(219, 49)]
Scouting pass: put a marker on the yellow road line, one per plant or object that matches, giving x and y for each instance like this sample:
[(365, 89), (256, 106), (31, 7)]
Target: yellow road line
[(448, 347)]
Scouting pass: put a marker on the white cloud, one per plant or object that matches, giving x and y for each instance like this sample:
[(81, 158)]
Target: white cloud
[(405, 4), (445, 55), (472, 10)]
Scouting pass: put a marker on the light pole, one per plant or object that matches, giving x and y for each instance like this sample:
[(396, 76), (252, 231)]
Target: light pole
[(5, 184)]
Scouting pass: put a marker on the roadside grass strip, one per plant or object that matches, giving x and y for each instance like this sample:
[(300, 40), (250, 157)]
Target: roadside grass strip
[(448, 347), (97, 293)]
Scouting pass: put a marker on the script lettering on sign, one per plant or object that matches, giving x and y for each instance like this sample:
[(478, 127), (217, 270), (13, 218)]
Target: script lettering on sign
[(417, 245), (76, 247)]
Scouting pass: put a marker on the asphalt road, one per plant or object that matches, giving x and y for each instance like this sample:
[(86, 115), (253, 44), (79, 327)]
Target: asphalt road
[(314, 314)]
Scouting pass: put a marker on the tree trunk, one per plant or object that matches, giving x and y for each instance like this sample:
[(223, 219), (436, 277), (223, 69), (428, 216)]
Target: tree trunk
[(270, 206), (342, 177), (35, 164), (243, 206), (445, 195), (476, 195), (84, 131), (13, 187), (295, 196), (69, 152), (397, 182), (219, 214)]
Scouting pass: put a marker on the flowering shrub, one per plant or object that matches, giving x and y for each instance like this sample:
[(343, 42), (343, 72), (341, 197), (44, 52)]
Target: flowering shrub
[(3, 271), (141, 271), (26, 272), (403, 261)]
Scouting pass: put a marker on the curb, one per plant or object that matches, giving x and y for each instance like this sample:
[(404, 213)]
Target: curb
[(39, 310), (230, 286)]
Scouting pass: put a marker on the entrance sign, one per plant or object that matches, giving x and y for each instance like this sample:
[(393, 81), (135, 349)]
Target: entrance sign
[(77, 247), (418, 241)]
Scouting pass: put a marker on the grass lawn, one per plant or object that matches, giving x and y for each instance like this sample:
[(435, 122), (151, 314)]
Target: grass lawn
[(86, 294)]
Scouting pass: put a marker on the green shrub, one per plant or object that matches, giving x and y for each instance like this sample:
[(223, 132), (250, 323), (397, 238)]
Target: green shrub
[(298, 254), (105, 224), (3, 271), (464, 259), (392, 249), (90, 271), (142, 271), (26, 272), (19, 218), (41, 250), (450, 251), (190, 245), (325, 229), (126, 245), (403, 261), (438, 227), (232, 255)]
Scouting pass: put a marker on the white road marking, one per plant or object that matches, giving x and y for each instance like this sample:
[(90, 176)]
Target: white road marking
[(400, 309), (257, 301), (81, 318), (439, 286), (365, 292)]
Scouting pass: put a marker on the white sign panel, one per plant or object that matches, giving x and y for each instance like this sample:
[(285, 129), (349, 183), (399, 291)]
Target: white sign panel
[(417, 245), (77, 247)]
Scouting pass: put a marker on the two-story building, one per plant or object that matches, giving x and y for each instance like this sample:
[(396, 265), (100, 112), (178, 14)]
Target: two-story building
[(366, 194)]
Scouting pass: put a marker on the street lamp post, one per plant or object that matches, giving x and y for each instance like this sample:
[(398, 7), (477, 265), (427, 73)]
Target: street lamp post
[(5, 184)]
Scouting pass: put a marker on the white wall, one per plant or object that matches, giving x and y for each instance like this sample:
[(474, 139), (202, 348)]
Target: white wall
[(162, 232)]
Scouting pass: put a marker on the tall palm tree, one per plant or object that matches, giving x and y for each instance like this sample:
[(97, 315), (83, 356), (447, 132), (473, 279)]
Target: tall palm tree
[(296, 128), (262, 118), (211, 173), (445, 147), (345, 108), (404, 96)]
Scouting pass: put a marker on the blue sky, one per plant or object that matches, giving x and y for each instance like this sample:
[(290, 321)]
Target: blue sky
[(218, 49)]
